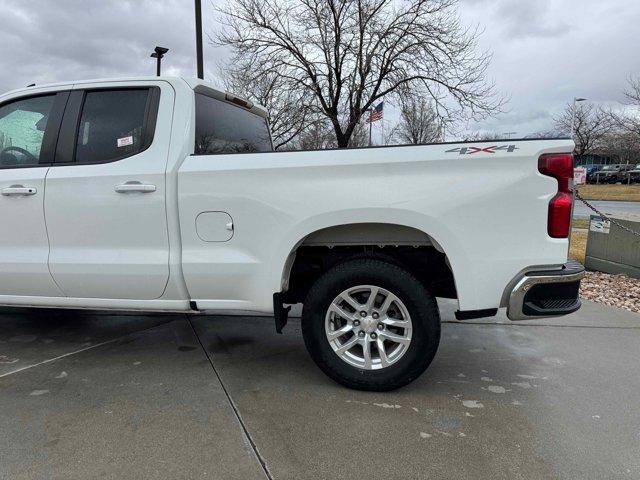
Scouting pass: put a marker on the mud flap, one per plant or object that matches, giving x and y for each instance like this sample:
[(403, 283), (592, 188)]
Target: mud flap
[(280, 312)]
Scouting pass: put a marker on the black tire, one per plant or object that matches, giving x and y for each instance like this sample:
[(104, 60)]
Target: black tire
[(420, 304)]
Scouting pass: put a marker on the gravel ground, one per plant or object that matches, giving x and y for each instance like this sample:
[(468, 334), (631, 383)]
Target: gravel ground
[(614, 290)]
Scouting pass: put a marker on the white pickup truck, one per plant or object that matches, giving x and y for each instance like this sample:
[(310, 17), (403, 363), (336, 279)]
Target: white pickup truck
[(164, 194)]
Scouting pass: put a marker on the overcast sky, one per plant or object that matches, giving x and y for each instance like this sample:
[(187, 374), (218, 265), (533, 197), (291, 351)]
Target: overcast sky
[(545, 51)]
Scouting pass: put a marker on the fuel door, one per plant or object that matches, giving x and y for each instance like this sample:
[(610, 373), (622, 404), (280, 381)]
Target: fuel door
[(214, 226)]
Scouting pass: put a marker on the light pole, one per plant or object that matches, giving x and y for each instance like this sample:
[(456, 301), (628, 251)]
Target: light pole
[(199, 39), (573, 115), (158, 54)]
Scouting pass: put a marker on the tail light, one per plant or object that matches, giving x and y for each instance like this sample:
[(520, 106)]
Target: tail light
[(560, 167)]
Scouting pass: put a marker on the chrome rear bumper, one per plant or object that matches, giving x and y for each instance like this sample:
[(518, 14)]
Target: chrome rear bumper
[(546, 293)]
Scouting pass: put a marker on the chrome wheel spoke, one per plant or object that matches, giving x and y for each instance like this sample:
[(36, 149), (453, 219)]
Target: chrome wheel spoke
[(341, 312), (387, 303), (350, 300), (386, 335), (394, 322), (371, 301), (384, 361), (344, 348), (366, 353), (339, 332)]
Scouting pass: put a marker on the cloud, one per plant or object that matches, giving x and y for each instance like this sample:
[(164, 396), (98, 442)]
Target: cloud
[(49, 41), (545, 52), (523, 19)]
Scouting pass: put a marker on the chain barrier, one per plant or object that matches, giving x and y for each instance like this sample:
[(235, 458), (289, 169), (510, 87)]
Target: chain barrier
[(605, 216)]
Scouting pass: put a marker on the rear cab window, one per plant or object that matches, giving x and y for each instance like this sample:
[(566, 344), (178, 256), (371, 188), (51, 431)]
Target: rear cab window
[(225, 128)]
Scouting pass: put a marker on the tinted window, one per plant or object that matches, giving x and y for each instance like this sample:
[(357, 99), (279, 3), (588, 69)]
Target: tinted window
[(111, 125), (22, 127), (225, 128)]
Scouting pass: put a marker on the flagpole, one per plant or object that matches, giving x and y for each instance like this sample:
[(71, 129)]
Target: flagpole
[(370, 126)]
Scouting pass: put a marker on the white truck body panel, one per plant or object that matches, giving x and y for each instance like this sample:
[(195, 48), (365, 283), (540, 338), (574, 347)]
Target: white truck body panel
[(487, 212), (490, 225), (24, 248), (111, 245)]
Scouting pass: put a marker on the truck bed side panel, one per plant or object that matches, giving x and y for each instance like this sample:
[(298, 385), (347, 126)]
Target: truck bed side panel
[(488, 212)]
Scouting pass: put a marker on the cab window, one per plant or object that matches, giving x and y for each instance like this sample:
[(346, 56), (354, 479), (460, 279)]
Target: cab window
[(224, 128), (112, 125), (23, 124)]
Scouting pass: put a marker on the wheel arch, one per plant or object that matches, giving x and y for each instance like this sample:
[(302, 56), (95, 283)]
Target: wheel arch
[(396, 228)]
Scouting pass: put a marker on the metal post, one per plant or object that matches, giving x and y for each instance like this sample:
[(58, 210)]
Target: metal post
[(370, 126), (573, 119), (199, 39), (158, 54), (573, 115)]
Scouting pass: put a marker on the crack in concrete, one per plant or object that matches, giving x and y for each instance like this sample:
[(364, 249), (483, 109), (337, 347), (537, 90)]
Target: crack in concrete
[(234, 407)]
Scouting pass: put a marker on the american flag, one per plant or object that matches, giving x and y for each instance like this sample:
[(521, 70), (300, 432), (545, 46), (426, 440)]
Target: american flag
[(376, 113)]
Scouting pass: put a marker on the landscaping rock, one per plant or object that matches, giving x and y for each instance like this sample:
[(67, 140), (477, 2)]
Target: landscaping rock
[(614, 290)]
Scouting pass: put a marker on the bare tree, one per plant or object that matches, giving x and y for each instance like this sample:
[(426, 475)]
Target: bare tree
[(549, 134), (633, 92), (622, 145), (630, 122), (345, 54), (419, 122), (482, 137), (360, 136), (289, 116), (320, 136), (317, 136), (590, 125)]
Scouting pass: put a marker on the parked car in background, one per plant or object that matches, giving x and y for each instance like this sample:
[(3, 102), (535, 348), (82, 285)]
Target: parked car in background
[(634, 175), (591, 170), (613, 173)]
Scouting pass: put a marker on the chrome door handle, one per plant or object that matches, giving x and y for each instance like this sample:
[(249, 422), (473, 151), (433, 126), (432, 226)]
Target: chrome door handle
[(133, 187), (19, 191)]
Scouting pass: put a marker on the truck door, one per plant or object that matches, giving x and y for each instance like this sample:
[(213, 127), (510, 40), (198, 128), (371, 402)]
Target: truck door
[(28, 131), (105, 203)]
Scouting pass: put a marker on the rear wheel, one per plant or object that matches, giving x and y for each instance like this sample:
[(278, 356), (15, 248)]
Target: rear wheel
[(371, 325)]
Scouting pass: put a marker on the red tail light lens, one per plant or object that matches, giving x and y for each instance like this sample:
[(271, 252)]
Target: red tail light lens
[(560, 167)]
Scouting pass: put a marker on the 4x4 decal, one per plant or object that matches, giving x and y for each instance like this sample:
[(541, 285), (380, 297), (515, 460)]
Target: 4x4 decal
[(494, 149)]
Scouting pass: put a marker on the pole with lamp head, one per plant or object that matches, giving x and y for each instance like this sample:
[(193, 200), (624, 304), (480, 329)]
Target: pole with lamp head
[(573, 114), (158, 54)]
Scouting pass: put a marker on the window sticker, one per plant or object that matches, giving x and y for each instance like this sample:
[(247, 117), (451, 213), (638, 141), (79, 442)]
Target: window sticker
[(125, 141), (600, 225)]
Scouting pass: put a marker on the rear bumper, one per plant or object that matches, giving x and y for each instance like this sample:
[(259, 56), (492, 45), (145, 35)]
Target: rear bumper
[(545, 293)]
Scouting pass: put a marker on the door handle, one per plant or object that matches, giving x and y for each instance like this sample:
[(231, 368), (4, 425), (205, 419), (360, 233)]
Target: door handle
[(135, 187), (19, 191)]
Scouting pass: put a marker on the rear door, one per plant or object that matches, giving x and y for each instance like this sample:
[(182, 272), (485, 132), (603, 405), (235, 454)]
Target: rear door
[(28, 133), (105, 204)]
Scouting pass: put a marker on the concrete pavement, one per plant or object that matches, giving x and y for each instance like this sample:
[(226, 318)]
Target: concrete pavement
[(553, 399), (607, 207)]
